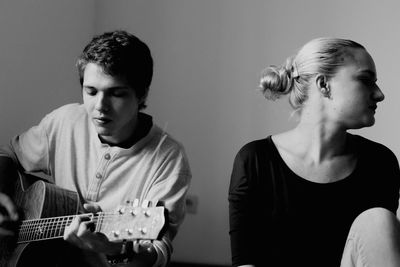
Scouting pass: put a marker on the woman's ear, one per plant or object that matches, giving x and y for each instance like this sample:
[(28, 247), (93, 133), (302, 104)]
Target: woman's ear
[(323, 86), (321, 81)]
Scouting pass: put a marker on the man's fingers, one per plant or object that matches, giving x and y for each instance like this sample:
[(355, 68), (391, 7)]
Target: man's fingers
[(73, 228), (92, 207), (9, 207), (85, 227), (5, 232), (77, 231), (140, 246)]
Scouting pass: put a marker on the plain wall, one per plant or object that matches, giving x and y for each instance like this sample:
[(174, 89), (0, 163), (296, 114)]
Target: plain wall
[(208, 57), (40, 42)]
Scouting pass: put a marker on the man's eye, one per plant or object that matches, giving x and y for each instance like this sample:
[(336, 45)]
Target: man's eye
[(119, 93), (90, 91)]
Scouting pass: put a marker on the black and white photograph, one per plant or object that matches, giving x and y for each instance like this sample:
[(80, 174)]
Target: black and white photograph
[(199, 133)]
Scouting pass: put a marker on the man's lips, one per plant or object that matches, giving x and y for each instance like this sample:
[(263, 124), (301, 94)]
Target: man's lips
[(101, 120)]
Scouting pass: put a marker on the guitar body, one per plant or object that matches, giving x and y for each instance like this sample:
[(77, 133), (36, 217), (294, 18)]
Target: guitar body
[(46, 210), (38, 199)]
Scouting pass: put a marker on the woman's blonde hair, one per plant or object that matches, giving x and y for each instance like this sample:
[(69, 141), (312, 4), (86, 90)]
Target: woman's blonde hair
[(318, 56)]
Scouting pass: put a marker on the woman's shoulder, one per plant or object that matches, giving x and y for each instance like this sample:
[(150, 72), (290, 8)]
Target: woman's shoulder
[(370, 148), (255, 145), (363, 142), (256, 148)]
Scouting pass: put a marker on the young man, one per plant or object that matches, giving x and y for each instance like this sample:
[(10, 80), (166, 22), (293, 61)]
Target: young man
[(107, 151)]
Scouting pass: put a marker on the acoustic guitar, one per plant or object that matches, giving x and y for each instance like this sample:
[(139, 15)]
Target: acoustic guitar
[(47, 210)]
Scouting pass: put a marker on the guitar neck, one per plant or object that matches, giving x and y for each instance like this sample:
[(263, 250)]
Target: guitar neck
[(49, 228), (128, 223)]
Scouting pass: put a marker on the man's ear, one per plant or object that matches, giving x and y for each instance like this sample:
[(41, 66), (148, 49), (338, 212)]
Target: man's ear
[(142, 100)]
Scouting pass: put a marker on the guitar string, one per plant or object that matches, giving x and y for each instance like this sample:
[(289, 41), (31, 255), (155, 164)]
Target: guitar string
[(94, 216), (35, 228), (56, 220), (63, 222)]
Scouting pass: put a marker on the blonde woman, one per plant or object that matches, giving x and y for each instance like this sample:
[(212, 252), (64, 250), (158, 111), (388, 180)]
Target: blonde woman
[(317, 195)]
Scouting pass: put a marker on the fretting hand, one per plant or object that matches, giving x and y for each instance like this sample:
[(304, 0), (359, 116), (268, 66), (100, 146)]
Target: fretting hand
[(8, 216)]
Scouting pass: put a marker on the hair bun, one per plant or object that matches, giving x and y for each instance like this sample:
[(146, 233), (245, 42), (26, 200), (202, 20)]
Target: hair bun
[(275, 82)]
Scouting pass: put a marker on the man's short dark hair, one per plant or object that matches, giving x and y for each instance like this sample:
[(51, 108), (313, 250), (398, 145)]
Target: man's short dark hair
[(123, 55)]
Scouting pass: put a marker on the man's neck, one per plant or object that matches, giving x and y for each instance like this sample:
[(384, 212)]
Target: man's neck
[(142, 128)]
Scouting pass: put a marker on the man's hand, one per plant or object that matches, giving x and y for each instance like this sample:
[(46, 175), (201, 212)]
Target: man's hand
[(8, 216), (81, 233)]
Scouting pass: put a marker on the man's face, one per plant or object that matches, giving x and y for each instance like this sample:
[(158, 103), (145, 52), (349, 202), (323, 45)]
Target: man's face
[(110, 103)]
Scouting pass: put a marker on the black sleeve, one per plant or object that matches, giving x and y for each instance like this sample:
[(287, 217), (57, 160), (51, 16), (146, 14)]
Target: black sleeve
[(244, 204), (382, 168), (391, 174), (239, 202)]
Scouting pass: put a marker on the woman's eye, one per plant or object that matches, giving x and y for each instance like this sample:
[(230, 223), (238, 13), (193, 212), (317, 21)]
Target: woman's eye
[(368, 81)]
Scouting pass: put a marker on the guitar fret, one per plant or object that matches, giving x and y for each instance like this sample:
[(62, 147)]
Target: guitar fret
[(30, 232), (48, 231), (41, 229), (99, 222), (59, 226)]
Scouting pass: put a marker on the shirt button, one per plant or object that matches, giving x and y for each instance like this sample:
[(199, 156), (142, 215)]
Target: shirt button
[(98, 175), (107, 156)]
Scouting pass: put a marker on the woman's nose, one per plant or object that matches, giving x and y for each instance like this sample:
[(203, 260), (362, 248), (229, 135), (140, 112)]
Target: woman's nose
[(378, 95)]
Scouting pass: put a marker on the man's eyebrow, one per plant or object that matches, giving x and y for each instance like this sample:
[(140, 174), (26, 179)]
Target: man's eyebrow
[(118, 87)]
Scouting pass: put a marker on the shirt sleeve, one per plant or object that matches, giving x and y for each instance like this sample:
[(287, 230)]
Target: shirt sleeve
[(170, 188), (239, 213), (391, 175), (30, 150)]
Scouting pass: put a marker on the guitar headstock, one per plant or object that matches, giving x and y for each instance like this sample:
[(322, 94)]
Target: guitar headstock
[(132, 222)]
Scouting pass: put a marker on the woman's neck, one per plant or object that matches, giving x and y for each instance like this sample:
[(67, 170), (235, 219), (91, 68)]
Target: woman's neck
[(320, 142)]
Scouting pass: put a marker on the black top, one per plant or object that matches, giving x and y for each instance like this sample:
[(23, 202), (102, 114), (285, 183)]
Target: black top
[(280, 219)]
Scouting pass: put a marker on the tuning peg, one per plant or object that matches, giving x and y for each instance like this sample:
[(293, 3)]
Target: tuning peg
[(147, 213), (115, 233), (143, 230), (129, 231), (134, 212), (135, 203), (121, 210), (145, 203)]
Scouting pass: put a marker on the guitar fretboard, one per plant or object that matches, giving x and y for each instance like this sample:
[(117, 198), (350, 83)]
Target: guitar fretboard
[(50, 228), (127, 223)]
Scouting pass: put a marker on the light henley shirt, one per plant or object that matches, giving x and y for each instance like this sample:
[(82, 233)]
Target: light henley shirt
[(65, 146)]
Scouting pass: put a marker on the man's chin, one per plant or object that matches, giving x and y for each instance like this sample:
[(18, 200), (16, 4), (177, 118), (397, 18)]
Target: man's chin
[(101, 131)]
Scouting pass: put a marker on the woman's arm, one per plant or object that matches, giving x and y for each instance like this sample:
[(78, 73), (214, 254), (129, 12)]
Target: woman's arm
[(240, 215)]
